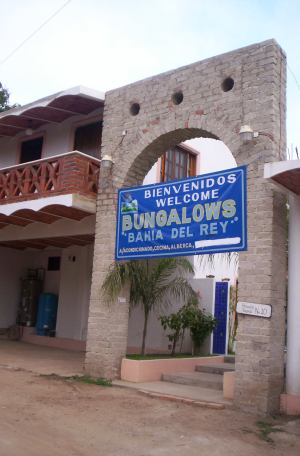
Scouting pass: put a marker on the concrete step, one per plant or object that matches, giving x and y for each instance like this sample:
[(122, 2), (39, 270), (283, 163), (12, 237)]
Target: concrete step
[(202, 379), (196, 395), (229, 359), (215, 368)]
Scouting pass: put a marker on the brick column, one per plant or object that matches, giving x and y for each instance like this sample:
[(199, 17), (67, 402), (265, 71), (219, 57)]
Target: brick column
[(108, 324), (262, 280)]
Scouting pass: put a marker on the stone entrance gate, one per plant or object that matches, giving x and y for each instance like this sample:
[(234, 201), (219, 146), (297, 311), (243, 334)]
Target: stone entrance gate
[(211, 98)]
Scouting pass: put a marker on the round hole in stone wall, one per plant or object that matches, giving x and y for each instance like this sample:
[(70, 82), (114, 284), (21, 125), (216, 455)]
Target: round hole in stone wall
[(227, 84), (135, 109), (177, 97)]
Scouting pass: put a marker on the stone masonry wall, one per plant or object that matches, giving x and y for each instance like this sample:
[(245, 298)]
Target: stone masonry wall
[(135, 142)]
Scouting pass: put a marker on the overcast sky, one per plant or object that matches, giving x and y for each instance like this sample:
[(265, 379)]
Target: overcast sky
[(104, 44)]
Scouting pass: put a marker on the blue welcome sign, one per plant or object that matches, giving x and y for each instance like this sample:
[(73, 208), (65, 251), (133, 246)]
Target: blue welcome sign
[(203, 214)]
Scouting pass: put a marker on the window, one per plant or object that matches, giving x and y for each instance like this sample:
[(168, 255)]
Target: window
[(88, 139), (177, 163), (31, 150), (53, 263)]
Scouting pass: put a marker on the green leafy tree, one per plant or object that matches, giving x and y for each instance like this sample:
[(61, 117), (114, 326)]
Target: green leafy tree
[(153, 284), (201, 326), (172, 322), (191, 317), (4, 99), (176, 323)]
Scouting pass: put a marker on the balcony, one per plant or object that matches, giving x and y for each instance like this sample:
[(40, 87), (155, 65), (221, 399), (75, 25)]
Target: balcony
[(63, 186)]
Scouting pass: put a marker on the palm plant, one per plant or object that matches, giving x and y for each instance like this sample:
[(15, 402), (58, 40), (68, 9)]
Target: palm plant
[(153, 284)]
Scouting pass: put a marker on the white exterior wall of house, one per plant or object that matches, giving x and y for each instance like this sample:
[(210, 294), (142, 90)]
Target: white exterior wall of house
[(58, 139), (8, 152), (75, 283), (39, 259), (157, 340), (206, 290), (12, 267)]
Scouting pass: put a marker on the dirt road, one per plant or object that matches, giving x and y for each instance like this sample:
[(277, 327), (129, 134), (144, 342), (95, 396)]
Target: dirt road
[(46, 416)]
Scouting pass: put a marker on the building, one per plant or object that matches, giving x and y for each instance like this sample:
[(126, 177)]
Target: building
[(49, 159), (216, 98), (49, 171)]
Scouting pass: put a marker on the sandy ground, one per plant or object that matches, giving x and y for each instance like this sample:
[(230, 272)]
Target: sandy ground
[(41, 360), (41, 415)]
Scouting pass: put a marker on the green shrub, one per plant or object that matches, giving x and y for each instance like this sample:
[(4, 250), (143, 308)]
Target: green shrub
[(191, 317)]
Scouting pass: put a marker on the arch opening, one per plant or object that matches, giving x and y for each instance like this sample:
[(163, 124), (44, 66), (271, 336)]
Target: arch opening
[(144, 161), (209, 154)]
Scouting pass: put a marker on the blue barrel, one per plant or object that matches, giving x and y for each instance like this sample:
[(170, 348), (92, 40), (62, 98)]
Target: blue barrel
[(47, 311)]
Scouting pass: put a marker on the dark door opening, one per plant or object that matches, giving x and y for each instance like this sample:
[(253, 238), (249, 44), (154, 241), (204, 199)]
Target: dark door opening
[(31, 150), (88, 139)]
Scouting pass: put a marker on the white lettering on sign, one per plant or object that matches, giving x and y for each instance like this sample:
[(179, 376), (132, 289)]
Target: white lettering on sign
[(257, 310)]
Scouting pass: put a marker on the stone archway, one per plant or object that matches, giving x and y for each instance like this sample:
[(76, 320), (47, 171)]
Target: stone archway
[(140, 122)]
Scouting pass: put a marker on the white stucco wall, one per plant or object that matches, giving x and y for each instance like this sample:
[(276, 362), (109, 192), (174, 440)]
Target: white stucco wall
[(39, 259), (75, 280), (214, 155), (58, 139), (206, 290), (12, 267), (157, 340)]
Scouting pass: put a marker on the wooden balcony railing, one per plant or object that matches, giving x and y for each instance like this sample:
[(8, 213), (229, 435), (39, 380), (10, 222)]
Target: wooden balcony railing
[(73, 172)]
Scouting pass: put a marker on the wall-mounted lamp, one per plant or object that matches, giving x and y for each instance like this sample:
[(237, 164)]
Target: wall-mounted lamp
[(107, 162), (247, 134), (29, 129)]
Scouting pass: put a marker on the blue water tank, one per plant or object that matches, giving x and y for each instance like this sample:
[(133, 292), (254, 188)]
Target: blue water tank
[(47, 311)]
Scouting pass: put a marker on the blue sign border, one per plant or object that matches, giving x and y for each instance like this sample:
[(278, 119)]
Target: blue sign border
[(211, 250)]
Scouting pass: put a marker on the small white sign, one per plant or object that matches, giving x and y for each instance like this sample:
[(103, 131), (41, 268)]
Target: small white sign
[(121, 299), (257, 310)]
